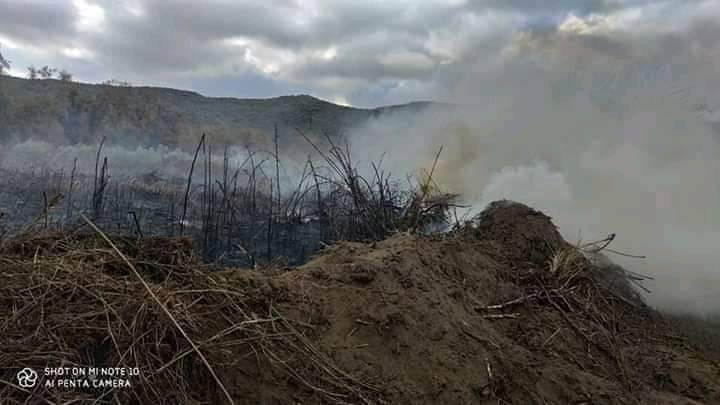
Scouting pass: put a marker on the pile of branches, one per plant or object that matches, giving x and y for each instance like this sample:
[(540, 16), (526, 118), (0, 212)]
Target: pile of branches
[(571, 288), (196, 335), (596, 300)]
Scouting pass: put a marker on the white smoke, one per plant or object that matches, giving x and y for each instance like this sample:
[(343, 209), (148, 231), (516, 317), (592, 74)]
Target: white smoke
[(169, 164), (124, 161), (537, 185), (605, 132)]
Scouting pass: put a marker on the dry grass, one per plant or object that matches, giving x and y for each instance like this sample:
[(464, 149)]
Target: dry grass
[(702, 332), (83, 300), (594, 302), (74, 302)]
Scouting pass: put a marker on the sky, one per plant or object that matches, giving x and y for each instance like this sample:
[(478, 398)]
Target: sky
[(363, 53)]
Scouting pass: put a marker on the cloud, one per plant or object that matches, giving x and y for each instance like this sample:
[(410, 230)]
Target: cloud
[(607, 128), (372, 52), (369, 53), (36, 22), (583, 7), (90, 16)]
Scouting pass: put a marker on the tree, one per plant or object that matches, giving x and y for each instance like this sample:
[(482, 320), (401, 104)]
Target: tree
[(4, 64), (115, 82), (46, 72), (32, 72), (65, 76)]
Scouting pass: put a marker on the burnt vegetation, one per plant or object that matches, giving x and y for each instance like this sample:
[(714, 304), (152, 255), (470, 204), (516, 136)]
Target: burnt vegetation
[(235, 212), (497, 309)]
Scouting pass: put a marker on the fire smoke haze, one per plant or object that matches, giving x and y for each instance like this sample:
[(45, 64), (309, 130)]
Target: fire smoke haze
[(606, 130), (605, 114)]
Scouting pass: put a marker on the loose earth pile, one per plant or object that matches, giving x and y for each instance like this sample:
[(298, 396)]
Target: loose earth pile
[(502, 310)]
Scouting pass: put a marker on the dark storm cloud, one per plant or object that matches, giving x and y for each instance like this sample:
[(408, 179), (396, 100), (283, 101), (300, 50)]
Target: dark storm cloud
[(37, 22)]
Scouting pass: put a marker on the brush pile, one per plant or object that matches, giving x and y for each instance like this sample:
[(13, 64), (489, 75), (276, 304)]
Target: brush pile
[(501, 310)]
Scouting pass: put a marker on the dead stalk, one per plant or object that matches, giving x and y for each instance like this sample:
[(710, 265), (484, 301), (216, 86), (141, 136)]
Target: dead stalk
[(163, 307)]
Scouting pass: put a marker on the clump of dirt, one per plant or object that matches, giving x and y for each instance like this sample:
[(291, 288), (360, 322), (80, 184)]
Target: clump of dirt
[(502, 310), (527, 237)]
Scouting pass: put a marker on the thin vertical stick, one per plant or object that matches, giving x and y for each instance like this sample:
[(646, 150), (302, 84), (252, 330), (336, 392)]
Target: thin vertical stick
[(137, 223), (70, 191), (163, 307), (97, 164), (189, 182), (208, 200), (277, 167), (321, 210), (270, 226), (46, 208), (276, 217)]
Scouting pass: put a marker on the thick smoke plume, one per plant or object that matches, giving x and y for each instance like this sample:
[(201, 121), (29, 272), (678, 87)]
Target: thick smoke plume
[(606, 131)]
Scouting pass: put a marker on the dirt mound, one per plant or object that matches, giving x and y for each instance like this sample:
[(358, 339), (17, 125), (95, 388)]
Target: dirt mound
[(526, 235), (500, 311)]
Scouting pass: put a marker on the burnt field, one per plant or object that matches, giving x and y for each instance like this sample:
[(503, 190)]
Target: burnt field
[(236, 211), (230, 286)]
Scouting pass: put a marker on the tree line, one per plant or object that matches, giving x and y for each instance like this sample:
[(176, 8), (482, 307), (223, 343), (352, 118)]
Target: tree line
[(4, 64), (45, 72)]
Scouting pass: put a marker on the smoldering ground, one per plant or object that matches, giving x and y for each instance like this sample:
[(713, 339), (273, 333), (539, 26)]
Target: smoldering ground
[(606, 131)]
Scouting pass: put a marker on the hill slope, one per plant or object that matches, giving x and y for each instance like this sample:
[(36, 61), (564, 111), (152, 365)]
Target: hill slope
[(82, 113)]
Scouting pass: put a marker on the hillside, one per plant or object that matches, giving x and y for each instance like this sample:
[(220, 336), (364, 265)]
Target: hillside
[(82, 113)]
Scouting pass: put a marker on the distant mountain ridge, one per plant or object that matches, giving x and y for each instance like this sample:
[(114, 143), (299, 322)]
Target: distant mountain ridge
[(70, 112)]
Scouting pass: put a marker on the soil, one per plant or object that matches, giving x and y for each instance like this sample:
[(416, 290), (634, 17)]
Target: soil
[(408, 320)]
